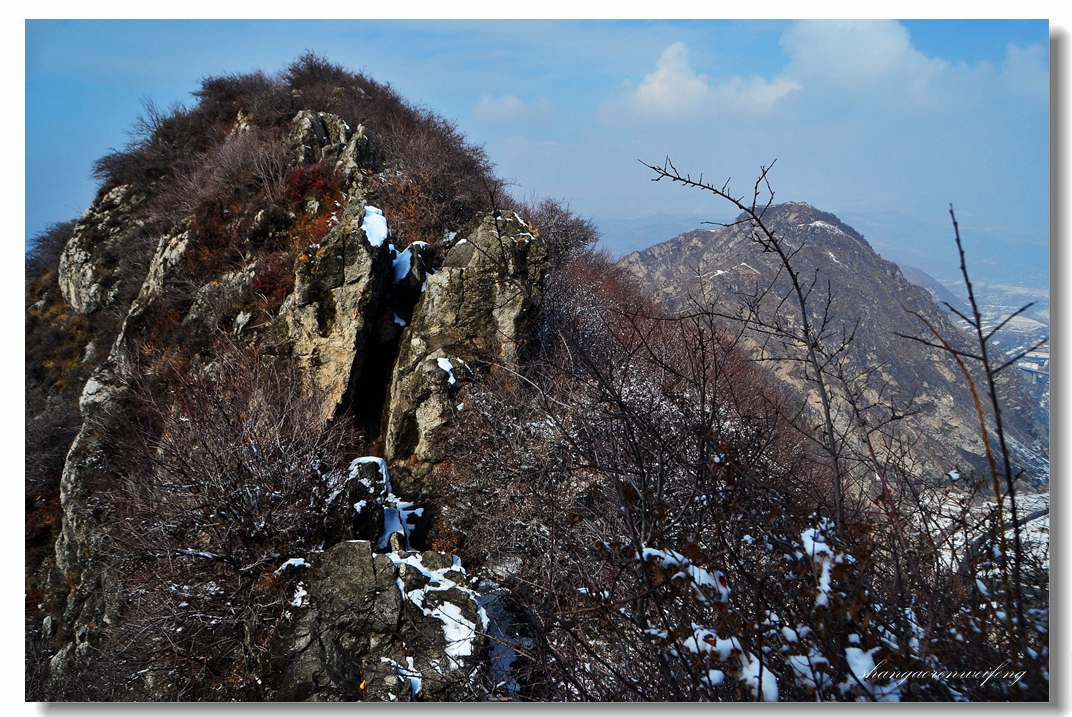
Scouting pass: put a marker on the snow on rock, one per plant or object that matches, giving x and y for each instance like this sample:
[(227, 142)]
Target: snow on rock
[(446, 365), (293, 563), (374, 225), (502, 655), (299, 596), (397, 513), (377, 461), (824, 225), (403, 260), (459, 631), (409, 673)]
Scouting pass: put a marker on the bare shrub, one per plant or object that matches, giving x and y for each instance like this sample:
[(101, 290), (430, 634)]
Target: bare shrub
[(228, 472), (644, 473), (561, 229)]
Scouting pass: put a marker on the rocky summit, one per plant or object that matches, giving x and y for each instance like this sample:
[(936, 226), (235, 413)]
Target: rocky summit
[(377, 333)]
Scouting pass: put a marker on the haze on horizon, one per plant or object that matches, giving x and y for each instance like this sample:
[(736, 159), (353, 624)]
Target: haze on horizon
[(883, 123)]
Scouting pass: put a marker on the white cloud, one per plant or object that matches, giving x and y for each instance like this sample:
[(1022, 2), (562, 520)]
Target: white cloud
[(1026, 71), (675, 91), (851, 54), (506, 108), (674, 88), (874, 62)]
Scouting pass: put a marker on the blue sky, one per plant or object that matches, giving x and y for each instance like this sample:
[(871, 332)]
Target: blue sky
[(880, 122)]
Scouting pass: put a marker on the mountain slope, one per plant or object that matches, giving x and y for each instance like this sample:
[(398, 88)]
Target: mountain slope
[(724, 269), (937, 291)]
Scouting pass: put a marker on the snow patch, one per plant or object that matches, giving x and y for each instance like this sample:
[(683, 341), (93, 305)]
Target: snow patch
[(806, 670), (299, 596), (410, 673), (446, 365), (397, 513), (293, 563), (374, 225), (824, 225), (862, 664), (458, 630), (751, 671), (823, 556), (403, 260), (705, 584)]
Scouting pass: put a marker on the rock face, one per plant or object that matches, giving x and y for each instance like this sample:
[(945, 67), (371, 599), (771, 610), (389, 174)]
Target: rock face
[(80, 546), (473, 311), (90, 274), (339, 290), (719, 267), (376, 620), (381, 627)]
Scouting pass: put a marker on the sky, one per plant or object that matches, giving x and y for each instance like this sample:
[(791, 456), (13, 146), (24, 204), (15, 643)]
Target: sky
[(883, 123)]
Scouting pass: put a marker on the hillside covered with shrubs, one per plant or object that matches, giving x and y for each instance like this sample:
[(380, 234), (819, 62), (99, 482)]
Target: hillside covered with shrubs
[(318, 410)]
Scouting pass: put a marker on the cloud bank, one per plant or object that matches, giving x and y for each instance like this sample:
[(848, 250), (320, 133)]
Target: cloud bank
[(675, 91), (507, 108), (870, 64), (874, 62)]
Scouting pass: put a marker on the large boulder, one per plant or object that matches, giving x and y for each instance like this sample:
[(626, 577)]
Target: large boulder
[(472, 314), (380, 627)]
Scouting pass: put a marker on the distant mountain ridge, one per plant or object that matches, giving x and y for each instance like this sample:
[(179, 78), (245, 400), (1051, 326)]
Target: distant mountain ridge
[(937, 290), (720, 267)]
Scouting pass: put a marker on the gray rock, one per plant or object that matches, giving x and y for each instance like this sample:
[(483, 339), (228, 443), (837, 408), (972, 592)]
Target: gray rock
[(361, 637), (356, 511), (338, 293), (321, 136), (305, 136), (88, 275), (473, 312)]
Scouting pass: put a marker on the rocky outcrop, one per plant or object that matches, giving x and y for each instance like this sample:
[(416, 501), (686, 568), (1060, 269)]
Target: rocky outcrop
[(395, 625), (380, 627), (80, 547), (472, 313), (331, 301), (89, 275), (374, 619), (339, 291), (321, 136)]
